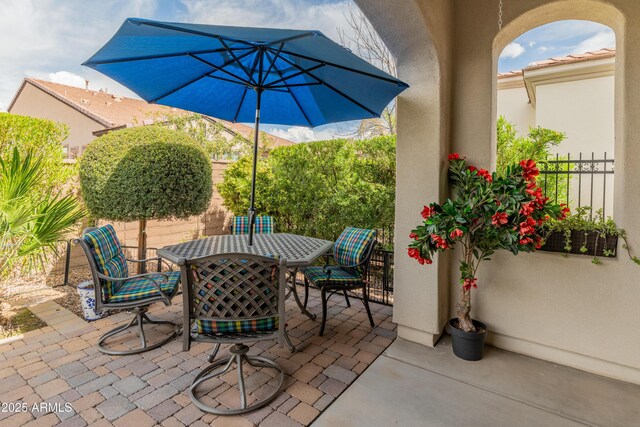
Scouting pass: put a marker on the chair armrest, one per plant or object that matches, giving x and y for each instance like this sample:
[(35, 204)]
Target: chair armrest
[(124, 279), (157, 258)]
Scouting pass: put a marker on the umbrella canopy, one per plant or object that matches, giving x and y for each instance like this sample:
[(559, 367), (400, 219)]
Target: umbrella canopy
[(277, 76)]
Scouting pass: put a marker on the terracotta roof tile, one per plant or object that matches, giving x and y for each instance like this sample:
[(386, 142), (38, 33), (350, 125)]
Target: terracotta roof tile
[(563, 60), (115, 111)]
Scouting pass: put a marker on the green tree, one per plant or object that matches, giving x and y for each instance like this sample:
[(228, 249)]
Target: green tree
[(144, 173), (213, 138), (34, 215), (536, 146), (43, 139), (319, 188)]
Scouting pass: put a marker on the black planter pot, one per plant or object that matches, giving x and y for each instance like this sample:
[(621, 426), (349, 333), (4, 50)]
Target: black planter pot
[(468, 345)]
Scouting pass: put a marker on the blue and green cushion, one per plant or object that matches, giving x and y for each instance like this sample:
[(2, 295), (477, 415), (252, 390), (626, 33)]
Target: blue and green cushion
[(263, 225), (339, 276), (351, 246), (139, 288), (109, 257), (211, 326)]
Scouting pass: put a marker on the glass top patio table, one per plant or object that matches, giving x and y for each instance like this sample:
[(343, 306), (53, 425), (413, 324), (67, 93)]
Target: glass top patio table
[(299, 251)]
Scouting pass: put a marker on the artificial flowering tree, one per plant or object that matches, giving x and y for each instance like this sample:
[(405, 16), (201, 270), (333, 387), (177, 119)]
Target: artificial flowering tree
[(487, 212)]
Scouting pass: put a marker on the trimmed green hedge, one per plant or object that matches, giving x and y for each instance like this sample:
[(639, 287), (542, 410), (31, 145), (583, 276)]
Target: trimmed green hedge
[(148, 172), (319, 188)]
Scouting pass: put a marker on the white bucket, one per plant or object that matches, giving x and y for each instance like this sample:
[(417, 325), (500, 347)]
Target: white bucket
[(88, 300)]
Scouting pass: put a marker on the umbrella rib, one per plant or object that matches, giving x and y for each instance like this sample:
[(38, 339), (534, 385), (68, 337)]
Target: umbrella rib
[(221, 68), (364, 73), (167, 55), (275, 58), (304, 114), (223, 79), (182, 86), (292, 85), (339, 92), (288, 39), (240, 104), (283, 79), (194, 32), (233, 55)]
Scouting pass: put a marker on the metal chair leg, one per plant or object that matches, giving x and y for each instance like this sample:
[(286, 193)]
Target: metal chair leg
[(365, 301), (323, 295), (239, 357), (346, 298), (214, 353), (139, 320), (306, 292)]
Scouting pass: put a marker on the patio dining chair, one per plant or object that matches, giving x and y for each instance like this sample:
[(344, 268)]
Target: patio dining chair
[(116, 290), (263, 225), (234, 299), (351, 258)]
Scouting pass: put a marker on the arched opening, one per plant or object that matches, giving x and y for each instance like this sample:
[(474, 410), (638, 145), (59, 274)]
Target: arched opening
[(555, 104)]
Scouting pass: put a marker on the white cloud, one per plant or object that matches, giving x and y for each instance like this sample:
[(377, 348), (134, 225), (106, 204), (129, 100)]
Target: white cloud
[(302, 134), (67, 78), (532, 44), (543, 49), (326, 17), (40, 37), (606, 38), (513, 50)]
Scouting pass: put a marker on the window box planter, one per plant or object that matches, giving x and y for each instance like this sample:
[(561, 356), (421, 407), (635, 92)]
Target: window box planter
[(593, 241)]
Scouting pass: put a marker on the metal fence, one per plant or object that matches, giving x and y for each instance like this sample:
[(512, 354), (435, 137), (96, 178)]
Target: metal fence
[(381, 277), (579, 181)]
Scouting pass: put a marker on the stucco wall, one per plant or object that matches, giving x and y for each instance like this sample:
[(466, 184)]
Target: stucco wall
[(582, 109), (513, 104), (37, 103), (560, 309)]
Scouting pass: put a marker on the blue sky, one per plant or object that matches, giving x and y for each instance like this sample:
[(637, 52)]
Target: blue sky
[(49, 39), (556, 39)]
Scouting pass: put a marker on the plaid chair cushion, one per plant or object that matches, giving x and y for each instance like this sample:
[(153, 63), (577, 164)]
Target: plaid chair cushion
[(208, 326), (109, 257), (263, 225), (338, 276), (350, 247), (143, 287)]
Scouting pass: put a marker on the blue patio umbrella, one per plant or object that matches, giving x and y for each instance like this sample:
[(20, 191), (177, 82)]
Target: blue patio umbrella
[(277, 76)]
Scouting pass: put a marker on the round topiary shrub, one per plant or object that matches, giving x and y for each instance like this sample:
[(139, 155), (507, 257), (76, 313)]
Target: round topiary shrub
[(143, 173), (148, 172)]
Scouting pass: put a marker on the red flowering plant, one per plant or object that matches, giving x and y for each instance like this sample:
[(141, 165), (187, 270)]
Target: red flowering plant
[(487, 212)]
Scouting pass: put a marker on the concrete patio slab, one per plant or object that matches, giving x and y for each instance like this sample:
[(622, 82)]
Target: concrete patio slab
[(415, 385)]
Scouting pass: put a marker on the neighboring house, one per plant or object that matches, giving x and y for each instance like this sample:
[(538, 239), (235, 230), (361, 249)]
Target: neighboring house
[(572, 94), (90, 113)]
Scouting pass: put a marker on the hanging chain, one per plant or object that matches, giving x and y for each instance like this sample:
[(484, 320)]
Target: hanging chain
[(500, 15)]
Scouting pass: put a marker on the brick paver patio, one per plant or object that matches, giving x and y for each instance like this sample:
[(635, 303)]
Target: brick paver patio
[(59, 369)]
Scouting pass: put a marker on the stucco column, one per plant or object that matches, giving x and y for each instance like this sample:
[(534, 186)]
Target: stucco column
[(418, 34)]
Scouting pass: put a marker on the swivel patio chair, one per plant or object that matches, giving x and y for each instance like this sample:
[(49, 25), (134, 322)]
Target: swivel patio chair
[(234, 299), (351, 255), (263, 225), (116, 290)]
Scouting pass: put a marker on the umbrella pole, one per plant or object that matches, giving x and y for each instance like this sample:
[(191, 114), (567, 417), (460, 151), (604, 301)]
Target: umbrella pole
[(256, 140)]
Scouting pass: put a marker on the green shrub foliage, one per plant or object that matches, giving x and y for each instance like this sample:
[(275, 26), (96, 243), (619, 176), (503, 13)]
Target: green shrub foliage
[(34, 216), (39, 138), (148, 172), (319, 188)]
